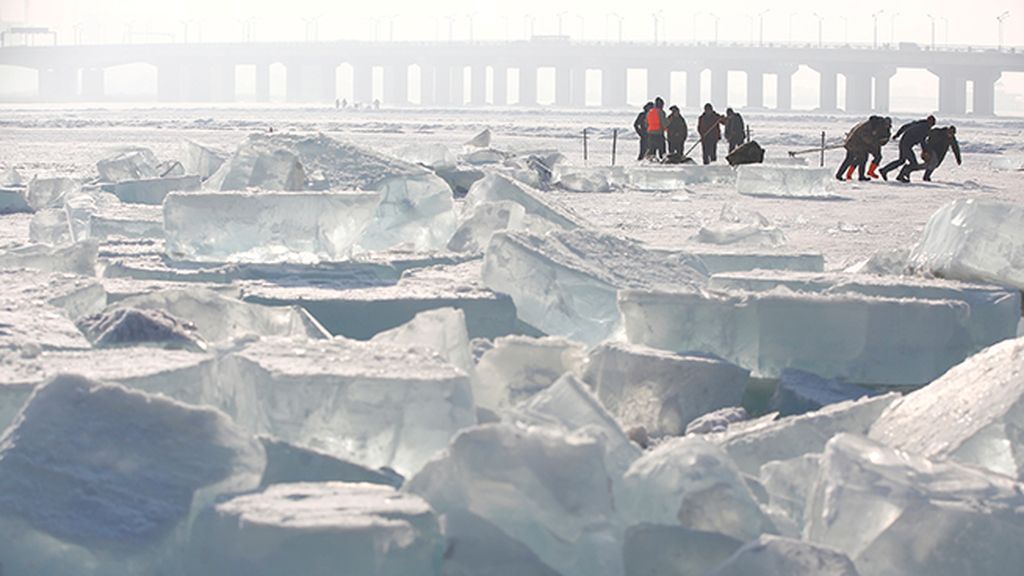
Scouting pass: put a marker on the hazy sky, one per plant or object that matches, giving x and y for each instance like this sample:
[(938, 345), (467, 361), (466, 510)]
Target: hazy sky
[(972, 22)]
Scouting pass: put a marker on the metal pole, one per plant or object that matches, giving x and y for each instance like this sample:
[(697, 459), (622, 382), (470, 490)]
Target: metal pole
[(822, 149), (615, 143), (585, 155)]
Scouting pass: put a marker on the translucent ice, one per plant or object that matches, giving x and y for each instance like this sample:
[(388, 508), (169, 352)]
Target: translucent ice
[(486, 218), (736, 227), (78, 258), (788, 483), (132, 327), (102, 474), (50, 192), (433, 156), (565, 283), (659, 550), (784, 182), (319, 529), (546, 488), (368, 402), (266, 226), (777, 556), (800, 392), (287, 464), (259, 163), (152, 191), (895, 513), (477, 547), (1007, 163), (689, 482), (202, 160), (717, 421), (415, 212), (219, 318), (973, 414), (675, 178), (497, 187), (974, 240), (13, 200), (518, 367), (442, 331), (661, 391), (481, 140), (11, 178), (856, 338), (596, 179), (131, 164)]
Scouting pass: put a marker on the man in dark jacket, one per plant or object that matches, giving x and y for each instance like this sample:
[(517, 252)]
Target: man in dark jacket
[(735, 131), (938, 142), (864, 139), (910, 135), (640, 125), (677, 130), (709, 128)]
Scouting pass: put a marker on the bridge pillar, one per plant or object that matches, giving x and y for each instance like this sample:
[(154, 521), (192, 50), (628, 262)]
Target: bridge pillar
[(396, 85), (563, 88), (57, 84), (613, 88), (578, 77), (858, 92), (693, 88), (262, 83), (499, 86), (93, 85), (985, 93), (428, 85), (883, 79), (952, 94), (659, 83), (170, 82), (720, 87), (755, 89), (828, 90), (478, 86), (528, 86), (222, 82), (295, 78), (362, 83), (784, 89), (457, 88), (442, 85)]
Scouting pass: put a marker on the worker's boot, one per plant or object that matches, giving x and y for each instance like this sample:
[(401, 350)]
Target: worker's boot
[(872, 169), (849, 172)]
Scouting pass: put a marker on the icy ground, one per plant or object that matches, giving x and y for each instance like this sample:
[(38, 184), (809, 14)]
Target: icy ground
[(359, 345)]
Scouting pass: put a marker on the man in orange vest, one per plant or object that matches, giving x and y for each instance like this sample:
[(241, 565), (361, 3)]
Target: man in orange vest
[(656, 130)]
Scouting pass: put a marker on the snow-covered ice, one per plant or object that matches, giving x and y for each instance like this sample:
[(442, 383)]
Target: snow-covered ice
[(498, 187), (784, 182), (736, 227)]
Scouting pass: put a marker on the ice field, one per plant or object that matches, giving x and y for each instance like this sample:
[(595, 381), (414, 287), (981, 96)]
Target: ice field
[(285, 340)]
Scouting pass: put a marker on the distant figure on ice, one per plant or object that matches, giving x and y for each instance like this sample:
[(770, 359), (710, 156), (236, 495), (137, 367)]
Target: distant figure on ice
[(337, 104), (656, 130), (640, 125), (344, 103), (376, 104), (939, 141), (735, 130), (910, 134), (676, 134), (709, 128), (864, 139)]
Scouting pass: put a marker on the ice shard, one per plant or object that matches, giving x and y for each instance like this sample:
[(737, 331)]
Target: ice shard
[(415, 212), (202, 160), (130, 164), (259, 163), (132, 327), (799, 392), (784, 182), (45, 193), (152, 191), (288, 464), (442, 331), (677, 178)]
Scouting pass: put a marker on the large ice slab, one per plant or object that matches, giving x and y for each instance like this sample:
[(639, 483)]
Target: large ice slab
[(565, 283), (972, 414), (776, 556), (152, 191), (799, 392), (50, 192), (517, 367), (720, 260), (442, 331), (101, 474), (288, 464), (694, 484), (895, 513), (753, 444), (856, 338), (993, 309), (498, 188), (129, 164), (735, 226), (546, 488), (367, 402), (203, 160), (477, 547), (661, 391), (122, 327), (416, 212), (37, 310), (13, 200), (266, 226), (658, 550), (784, 182), (788, 483), (78, 258), (486, 218), (974, 240), (260, 162), (319, 529), (677, 177)]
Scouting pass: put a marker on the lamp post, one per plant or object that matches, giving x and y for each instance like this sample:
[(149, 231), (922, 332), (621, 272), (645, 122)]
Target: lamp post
[(791, 15), (583, 26), (1001, 18), (760, 26), (874, 36), (530, 20), (892, 27), (846, 29), (471, 17), (620, 19), (657, 22), (932, 18), (561, 16), (451, 27), (945, 30), (821, 20), (715, 16)]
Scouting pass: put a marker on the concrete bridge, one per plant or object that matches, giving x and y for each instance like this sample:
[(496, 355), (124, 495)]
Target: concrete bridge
[(206, 72)]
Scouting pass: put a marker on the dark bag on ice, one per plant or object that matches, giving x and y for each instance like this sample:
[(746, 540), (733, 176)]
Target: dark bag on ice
[(749, 153)]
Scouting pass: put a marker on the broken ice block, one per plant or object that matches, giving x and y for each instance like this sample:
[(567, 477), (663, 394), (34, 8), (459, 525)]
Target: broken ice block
[(717, 421), (788, 483), (777, 556), (287, 464), (50, 192), (1007, 163), (131, 327), (661, 391), (784, 182), (753, 444), (259, 163), (11, 179), (565, 283), (433, 156), (676, 178), (718, 260), (481, 140), (442, 331), (116, 219), (497, 188), (896, 513), (657, 550), (474, 232), (478, 547), (547, 488), (13, 201), (483, 156), (972, 414), (799, 392), (319, 529), (859, 339), (218, 318), (202, 160), (974, 240), (37, 310), (152, 191), (78, 258), (596, 179), (460, 179), (993, 309), (131, 164), (266, 226), (415, 213), (735, 227), (694, 484), (371, 403), (97, 473), (518, 367)]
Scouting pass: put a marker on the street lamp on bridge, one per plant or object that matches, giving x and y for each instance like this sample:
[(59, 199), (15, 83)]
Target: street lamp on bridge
[(760, 26), (874, 36), (620, 19), (932, 18), (657, 22), (1002, 17), (892, 27), (821, 20), (561, 16)]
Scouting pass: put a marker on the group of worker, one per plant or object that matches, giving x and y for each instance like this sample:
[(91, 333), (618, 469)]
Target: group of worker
[(867, 138), (663, 137)]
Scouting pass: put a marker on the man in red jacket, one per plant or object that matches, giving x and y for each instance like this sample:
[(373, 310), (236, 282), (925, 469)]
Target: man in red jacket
[(656, 130)]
